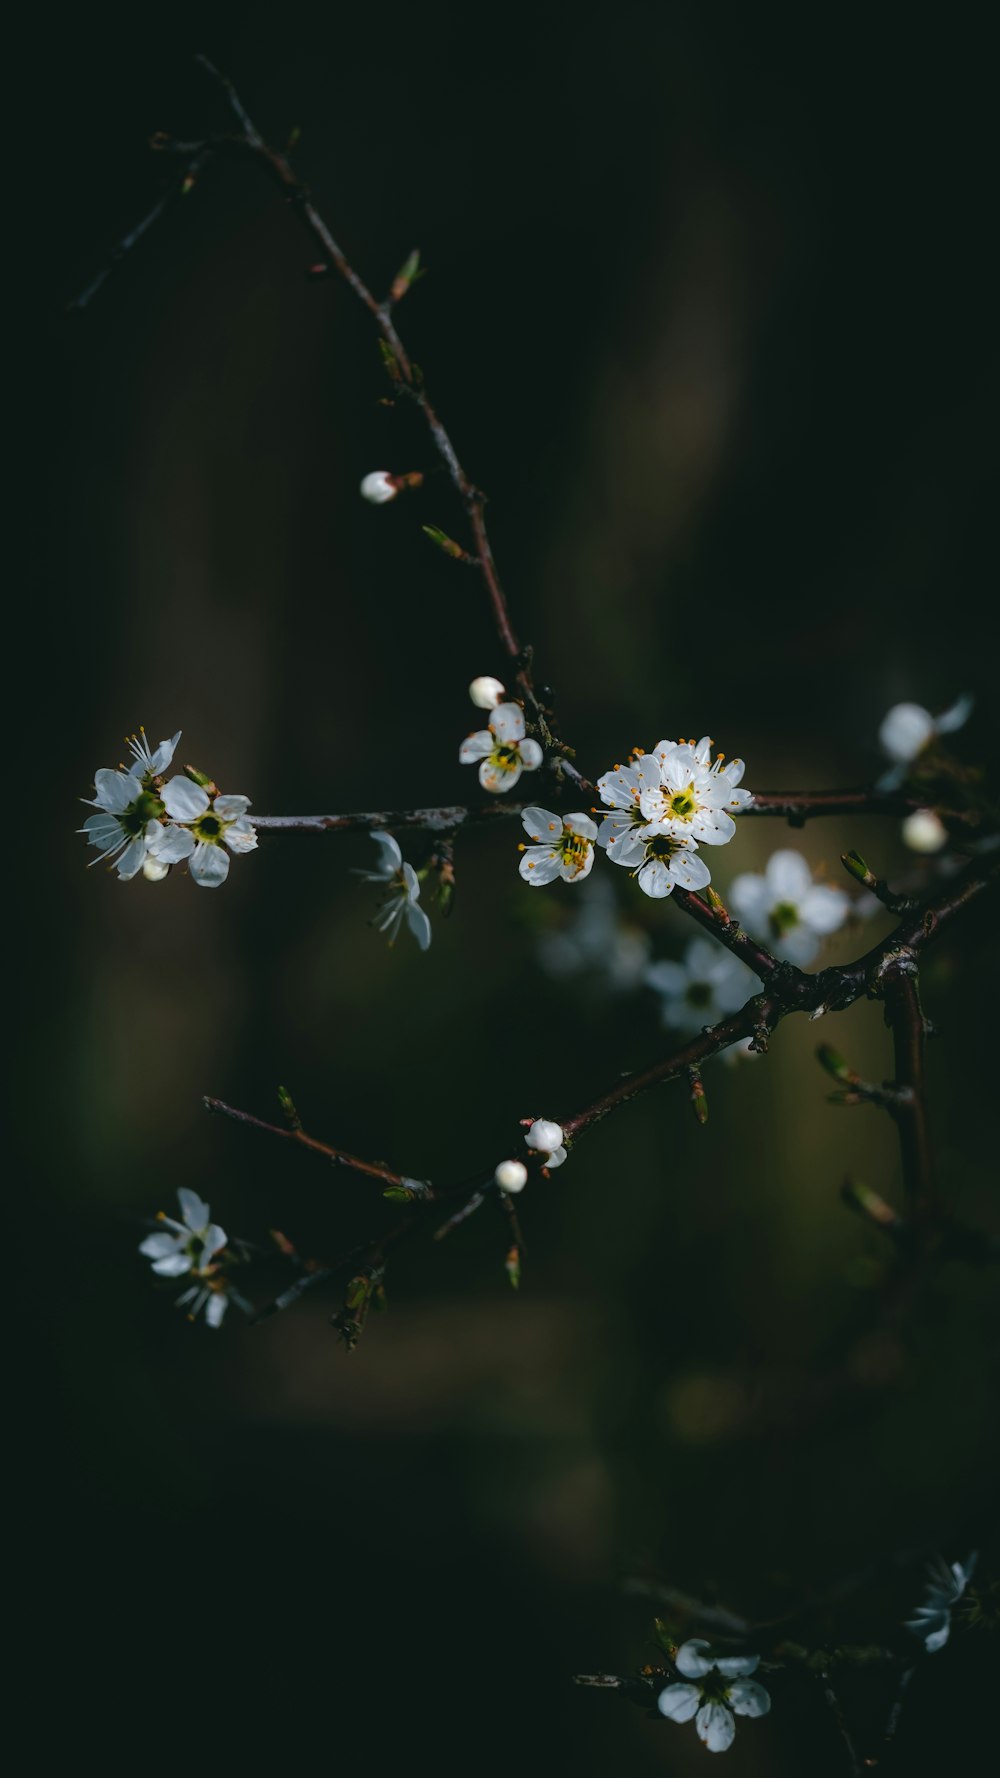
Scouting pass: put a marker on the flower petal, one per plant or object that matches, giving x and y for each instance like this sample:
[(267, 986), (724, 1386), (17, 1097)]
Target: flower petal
[(131, 859), (541, 824), (230, 807), (748, 1698), (194, 1209), (539, 864), (716, 1727), (475, 746), (159, 1245), (169, 844), (655, 880), (507, 722), (419, 924), (209, 866), (737, 1666), (172, 1265), (581, 824), (499, 778), (691, 1661), (183, 800), (115, 790), (531, 755), (679, 1702), (824, 908), (216, 1308)]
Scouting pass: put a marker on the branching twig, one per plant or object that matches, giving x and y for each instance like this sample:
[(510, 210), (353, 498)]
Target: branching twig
[(339, 1156)]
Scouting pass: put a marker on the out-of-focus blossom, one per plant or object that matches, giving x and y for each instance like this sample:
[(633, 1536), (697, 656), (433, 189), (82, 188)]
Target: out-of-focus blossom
[(486, 693), (786, 908), (924, 831), (511, 1176), (718, 1690), (403, 901), (946, 1583)]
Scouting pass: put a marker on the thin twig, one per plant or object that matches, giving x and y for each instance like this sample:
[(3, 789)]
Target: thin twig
[(909, 1106), (339, 1156)]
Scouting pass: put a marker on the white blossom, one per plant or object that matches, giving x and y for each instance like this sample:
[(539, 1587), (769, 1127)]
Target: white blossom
[(127, 828), (565, 846), (946, 1583), (707, 985), (787, 908), (924, 831), (661, 861), (502, 750), (511, 1176), (148, 762), (204, 827), (695, 794), (379, 486), (546, 1138), (718, 1690), (190, 1248), (908, 728), (403, 901), (486, 692), (153, 869), (596, 942)]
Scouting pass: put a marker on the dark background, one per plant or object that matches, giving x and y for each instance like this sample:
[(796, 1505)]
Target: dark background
[(708, 315)]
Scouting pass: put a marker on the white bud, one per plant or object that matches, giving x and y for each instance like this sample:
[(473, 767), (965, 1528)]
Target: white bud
[(485, 692), (379, 487), (906, 731), (544, 1135), (153, 870), (924, 831), (511, 1176)]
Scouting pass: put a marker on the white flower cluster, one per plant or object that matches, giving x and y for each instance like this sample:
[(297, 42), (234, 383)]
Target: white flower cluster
[(718, 1690), (146, 824), (666, 805), (192, 1247)]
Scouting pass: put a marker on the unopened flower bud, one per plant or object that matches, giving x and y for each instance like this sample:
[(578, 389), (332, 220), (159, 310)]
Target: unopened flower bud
[(153, 870), (544, 1135), (379, 486), (924, 831), (905, 731), (486, 693), (511, 1176)]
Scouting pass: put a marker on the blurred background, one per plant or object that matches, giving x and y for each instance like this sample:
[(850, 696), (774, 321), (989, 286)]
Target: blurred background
[(707, 314)]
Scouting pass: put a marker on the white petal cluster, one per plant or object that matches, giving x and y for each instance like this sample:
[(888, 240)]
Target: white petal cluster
[(486, 692), (669, 803), (564, 846), (206, 828), (502, 749), (924, 831), (908, 728), (190, 1247), (402, 901), (144, 824), (946, 1583), (718, 1690), (511, 1176), (705, 986), (786, 908), (546, 1138), (379, 486)]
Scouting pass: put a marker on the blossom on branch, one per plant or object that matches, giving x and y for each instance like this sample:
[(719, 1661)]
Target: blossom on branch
[(718, 1690), (546, 1138), (908, 728), (486, 692), (786, 907), (695, 794), (379, 486), (127, 829), (502, 750), (946, 1583), (191, 1248), (511, 1176), (659, 859), (565, 846), (403, 901), (707, 985), (206, 824)]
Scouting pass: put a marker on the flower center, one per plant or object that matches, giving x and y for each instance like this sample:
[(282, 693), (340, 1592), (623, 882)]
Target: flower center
[(146, 807), (574, 849), (682, 804), (505, 756), (209, 829), (783, 916), (698, 994)]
